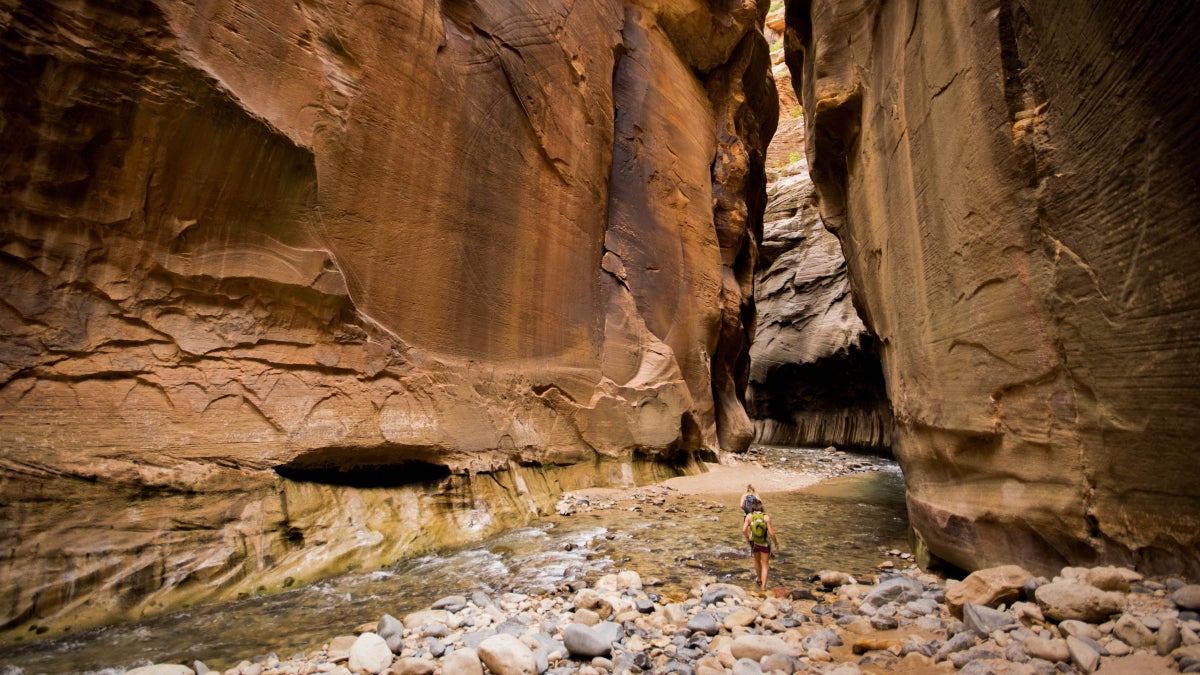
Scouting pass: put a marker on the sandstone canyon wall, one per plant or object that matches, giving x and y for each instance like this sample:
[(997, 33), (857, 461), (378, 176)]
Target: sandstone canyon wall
[(290, 287), (815, 378), (1015, 186)]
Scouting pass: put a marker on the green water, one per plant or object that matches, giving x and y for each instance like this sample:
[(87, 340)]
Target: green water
[(847, 523)]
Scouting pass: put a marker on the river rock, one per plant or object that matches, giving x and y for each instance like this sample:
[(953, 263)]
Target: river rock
[(833, 579), (629, 580), (704, 622), (586, 617), (589, 598), (417, 620), (985, 620), (895, 589), (714, 593), (591, 641), (451, 603), (464, 661), (370, 654), (1169, 637), (1187, 597), (784, 663), (989, 587), (1062, 600), (740, 617), (746, 666), (504, 654), (391, 630), (411, 665), (822, 640), (1110, 578), (161, 669), (1049, 649), (1133, 632), (755, 647), (958, 643), (1083, 655), (1080, 629)]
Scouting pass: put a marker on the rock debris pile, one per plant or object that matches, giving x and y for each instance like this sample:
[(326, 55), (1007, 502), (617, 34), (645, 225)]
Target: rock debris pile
[(998, 620)]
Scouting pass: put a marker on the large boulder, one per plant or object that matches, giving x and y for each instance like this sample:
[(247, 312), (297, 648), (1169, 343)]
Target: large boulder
[(254, 261), (1014, 187)]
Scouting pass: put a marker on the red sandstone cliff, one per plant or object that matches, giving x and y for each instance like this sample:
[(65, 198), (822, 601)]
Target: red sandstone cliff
[(366, 244)]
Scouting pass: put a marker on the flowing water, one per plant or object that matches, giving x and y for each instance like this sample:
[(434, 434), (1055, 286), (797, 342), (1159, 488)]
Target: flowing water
[(847, 523)]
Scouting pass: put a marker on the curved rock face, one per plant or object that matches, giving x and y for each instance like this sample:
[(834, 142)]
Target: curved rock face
[(249, 247), (815, 378), (1015, 187), (814, 368)]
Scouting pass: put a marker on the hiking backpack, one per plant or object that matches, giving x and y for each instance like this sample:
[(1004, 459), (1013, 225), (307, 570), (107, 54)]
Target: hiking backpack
[(758, 528)]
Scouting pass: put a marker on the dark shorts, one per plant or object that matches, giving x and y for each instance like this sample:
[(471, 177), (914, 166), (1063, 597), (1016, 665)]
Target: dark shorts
[(761, 548)]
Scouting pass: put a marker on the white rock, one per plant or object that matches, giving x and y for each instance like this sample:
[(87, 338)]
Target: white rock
[(504, 654), (370, 654), (629, 579)]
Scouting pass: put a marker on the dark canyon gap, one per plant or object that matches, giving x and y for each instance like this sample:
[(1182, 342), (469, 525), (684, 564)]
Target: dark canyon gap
[(293, 287), (1015, 186)]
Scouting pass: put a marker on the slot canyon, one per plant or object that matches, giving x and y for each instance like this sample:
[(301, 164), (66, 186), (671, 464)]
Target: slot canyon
[(296, 288)]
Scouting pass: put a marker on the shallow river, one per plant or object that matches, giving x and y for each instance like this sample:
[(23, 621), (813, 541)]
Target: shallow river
[(848, 523)]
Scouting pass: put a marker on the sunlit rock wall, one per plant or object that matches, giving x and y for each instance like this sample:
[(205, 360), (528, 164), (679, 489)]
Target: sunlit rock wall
[(1015, 185), (249, 248)]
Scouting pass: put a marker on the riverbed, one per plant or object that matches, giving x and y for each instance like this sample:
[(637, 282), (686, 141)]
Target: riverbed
[(845, 513)]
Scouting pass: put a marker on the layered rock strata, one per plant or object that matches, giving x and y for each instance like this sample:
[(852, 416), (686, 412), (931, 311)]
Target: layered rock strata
[(272, 269), (1014, 184)]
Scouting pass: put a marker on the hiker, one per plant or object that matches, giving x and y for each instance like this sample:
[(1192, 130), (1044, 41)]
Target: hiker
[(757, 530), (748, 499)]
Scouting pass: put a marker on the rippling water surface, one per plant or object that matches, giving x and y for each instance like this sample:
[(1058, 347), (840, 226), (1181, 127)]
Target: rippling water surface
[(847, 523)]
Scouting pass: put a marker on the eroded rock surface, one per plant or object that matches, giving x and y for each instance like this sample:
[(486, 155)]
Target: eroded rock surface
[(252, 252), (815, 378), (1015, 187)]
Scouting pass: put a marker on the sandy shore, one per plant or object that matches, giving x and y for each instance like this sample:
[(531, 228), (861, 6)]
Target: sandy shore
[(767, 470)]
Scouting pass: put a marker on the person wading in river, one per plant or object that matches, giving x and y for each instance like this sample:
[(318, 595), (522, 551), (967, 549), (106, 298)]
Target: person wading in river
[(757, 529), (748, 499)]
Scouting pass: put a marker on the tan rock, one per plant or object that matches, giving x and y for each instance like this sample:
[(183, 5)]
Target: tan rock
[(1108, 579), (1062, 600), (998, 245), (755, 647), (740, 617), (989, 587), (1052, 649), (1133, 632), (864, 645)]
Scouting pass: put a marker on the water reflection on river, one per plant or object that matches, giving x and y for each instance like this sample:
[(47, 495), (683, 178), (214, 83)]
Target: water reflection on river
[(846, 523)]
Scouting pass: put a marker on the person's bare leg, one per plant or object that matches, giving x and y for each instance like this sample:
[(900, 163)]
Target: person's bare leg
[(766, 558)]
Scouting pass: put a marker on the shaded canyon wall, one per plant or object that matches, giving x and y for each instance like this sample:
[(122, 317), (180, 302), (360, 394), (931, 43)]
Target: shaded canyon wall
[(289, 287), (815, 377), (1015, 186)]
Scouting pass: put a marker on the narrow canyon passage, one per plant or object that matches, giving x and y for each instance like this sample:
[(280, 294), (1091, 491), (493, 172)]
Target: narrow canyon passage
[(292, 289)]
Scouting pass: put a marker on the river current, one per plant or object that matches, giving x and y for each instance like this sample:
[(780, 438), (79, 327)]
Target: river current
[(851, 523)]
